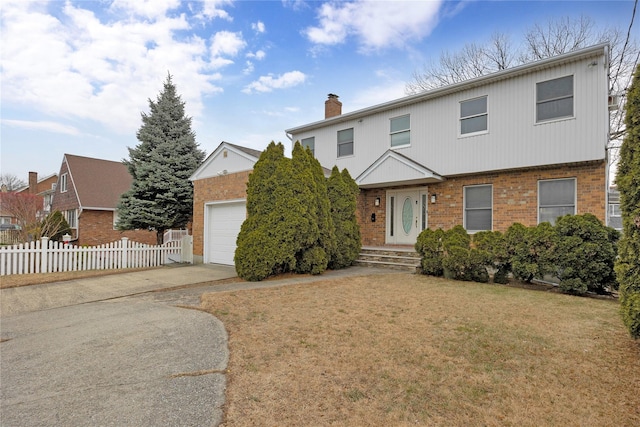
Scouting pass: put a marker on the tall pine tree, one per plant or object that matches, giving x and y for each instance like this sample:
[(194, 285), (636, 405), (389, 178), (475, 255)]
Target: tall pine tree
[(628, 180), (161, 196)]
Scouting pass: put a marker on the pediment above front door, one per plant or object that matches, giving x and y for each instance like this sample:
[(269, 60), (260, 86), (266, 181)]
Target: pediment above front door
[(393, 169)]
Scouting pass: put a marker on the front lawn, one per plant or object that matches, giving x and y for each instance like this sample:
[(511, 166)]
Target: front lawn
[(401, 349)]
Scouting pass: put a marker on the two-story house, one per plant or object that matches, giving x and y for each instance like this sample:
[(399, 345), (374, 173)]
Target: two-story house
[(526, 144), (87, 194)]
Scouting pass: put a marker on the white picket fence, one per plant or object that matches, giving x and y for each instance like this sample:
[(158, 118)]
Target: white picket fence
[(47, 256)]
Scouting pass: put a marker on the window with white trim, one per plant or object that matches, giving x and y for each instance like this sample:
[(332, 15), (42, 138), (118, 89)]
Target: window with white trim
[(473, 116), (556, 197), (554, 99), (400, 131), (309, 143), (63, 182), (72, 218), (345, 142), (478, 211)]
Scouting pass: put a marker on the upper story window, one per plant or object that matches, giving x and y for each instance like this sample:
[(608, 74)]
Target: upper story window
[(63, 182), (473, 116), (345, 142), (72, 218), (554, 99), (309, 143), (478, 207), (556, 197), (400, 131)]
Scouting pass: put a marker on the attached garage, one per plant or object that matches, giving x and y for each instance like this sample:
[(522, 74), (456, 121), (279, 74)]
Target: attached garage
[(223, 221)]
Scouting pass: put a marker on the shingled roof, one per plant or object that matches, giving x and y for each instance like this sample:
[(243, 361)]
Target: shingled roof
[(98, 183)]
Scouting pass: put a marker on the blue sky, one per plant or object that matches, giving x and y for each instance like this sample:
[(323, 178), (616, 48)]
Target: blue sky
[(75, 75)]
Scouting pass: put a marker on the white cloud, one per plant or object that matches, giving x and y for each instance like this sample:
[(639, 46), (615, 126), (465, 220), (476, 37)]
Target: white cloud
[(226, 43), (269, 83), (249, 68), (151, 9), (42, 125), (211, 9), (376, 25), (259, 55), (78, 66), (258, 27)]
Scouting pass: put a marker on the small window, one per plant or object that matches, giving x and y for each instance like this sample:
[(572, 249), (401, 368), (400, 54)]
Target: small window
[(473, 116), (116, 217), (554, 99), (400, 131), (345, 142), (556, 197), (478, 207), (63, 182), (310, 143), (71, 218)]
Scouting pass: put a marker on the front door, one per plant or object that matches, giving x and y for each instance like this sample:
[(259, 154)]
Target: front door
[(406, 216)]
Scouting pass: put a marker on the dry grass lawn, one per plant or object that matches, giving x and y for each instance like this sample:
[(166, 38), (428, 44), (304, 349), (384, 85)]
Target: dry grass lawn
[(401, 349)]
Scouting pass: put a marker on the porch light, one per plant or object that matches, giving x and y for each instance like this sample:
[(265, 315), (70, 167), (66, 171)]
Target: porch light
[(377, 201), (433, 198)]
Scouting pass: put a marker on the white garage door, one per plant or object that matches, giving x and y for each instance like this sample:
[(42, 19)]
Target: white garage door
[(223, 225)]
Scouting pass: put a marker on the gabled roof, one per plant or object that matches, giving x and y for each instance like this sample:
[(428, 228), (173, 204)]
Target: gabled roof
[(588, 52), (98, 183), (220, 162), (393, 168)]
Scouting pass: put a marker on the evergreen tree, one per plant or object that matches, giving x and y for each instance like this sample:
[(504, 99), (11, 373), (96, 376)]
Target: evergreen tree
[(628, 180), (161, 196), (343, 192)]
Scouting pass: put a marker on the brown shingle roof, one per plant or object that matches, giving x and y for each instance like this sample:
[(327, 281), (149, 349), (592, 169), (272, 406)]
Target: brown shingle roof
[(98, 183)]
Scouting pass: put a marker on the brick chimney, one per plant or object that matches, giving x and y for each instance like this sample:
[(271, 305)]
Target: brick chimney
[(332, 107), (33, 182)]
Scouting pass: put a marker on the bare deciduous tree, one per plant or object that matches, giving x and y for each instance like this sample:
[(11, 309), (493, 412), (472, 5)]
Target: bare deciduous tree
[(11, 182)]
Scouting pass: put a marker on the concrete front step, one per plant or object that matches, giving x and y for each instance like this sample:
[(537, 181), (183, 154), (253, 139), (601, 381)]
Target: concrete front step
[(392, 258)]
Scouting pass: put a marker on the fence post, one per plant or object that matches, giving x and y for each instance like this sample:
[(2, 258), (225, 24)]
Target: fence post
[(124, 262), (44, 257)]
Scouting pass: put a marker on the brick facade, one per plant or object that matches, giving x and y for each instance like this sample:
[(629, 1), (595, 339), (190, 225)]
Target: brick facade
[(96, 228), (219, 188), (515, 198)]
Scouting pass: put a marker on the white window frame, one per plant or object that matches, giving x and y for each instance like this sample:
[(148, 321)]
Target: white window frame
[(465, 208), (310, 143), (63, 183), (116, 216), (575, 197), (400, 131), (71, 215), (472, 116), (572, 96), (352, 142)]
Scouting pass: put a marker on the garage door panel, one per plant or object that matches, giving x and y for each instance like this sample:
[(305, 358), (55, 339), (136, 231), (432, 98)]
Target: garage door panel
[(224, 221)]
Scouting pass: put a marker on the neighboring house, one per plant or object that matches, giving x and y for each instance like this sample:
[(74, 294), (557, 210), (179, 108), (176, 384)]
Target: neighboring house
[(44, 187), (87, 194), (615, 214), (219, 202), (526, 144)]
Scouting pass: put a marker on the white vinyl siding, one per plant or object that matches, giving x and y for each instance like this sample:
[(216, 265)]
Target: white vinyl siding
[(478, 212), (556, 197), (309, 143), (473, 116), (400, 131), (345, 142), (554, 99)]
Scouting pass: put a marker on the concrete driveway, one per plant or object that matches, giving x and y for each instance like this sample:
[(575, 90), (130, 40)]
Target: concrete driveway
[(79, 354)]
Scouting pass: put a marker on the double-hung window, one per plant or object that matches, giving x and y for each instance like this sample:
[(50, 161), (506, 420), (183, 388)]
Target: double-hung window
[(556, 197), (309, 143), (63, 182), (473, 116), (554, 99), (72, 218), (345, 142), (400, 131), (478, 211)]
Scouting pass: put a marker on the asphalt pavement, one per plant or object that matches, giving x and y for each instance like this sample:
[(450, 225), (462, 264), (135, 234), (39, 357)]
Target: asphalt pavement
[(120, 350)]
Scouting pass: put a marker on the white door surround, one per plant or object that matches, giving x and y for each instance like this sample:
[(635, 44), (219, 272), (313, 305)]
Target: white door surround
[(406, 215)]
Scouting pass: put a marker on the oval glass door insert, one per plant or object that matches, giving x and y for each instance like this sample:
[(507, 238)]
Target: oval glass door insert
[(407, 215)]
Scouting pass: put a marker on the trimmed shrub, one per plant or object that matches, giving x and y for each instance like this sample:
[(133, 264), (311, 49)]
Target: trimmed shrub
[(494, 243), (531, 250), (343, 192), (585, 254), (430, 247)]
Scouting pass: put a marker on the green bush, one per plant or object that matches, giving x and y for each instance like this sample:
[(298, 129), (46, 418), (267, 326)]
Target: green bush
[(54, 226), (494, 243), (531, 250), (343, 192), (429, 246), (585, 254)]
